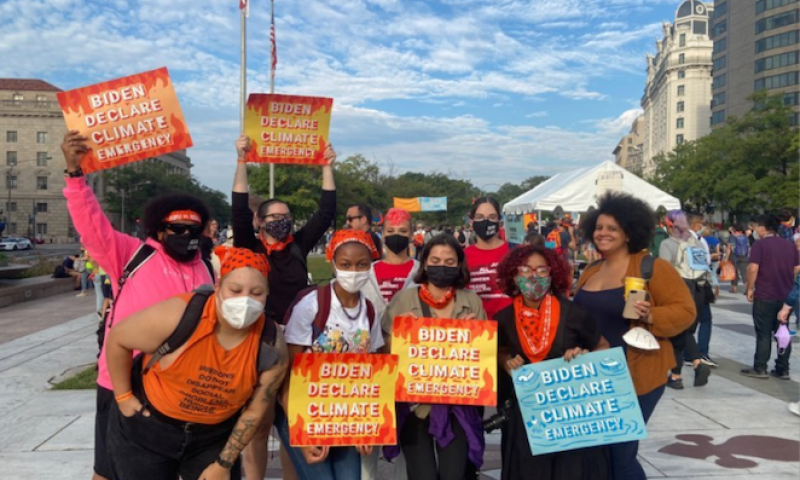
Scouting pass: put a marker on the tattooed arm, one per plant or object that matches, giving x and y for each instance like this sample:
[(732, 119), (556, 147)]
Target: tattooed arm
[(269, 384)]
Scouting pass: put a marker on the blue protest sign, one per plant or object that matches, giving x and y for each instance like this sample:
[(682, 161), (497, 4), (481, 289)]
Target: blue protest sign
[(433, 204), (587, 402)]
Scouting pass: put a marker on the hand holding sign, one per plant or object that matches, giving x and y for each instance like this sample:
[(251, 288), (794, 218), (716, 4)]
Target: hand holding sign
[(73, 147)]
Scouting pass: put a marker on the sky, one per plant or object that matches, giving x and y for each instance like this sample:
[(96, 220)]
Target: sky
[(492, 91)]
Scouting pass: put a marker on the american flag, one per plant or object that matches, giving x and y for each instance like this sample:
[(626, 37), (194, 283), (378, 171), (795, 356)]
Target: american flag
[(273, 42), (245, 5)]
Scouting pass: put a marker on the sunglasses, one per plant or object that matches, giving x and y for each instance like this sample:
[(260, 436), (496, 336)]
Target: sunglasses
[(180, 229)]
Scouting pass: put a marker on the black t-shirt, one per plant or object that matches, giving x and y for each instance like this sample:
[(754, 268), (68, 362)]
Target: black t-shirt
[(68, 263), (576, 329), (289, 271)]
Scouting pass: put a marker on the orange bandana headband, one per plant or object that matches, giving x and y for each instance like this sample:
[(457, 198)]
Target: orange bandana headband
[(243, 257), (184, 216), (342, 237)]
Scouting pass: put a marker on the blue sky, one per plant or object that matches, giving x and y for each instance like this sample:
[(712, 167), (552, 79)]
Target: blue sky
[(490, 90)]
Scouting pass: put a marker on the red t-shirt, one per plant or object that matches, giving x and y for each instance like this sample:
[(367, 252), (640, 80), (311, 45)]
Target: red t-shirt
[(482, 266), (392, 278)]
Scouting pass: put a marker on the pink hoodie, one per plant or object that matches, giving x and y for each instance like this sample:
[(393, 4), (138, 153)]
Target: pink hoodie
[(158, 279)]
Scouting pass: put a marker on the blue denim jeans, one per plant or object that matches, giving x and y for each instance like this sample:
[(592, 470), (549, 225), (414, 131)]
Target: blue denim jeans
[(624, 463), (343, 463), (765, 320)]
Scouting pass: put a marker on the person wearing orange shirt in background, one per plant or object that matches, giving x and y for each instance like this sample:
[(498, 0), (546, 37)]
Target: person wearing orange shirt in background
[(485, 255), (160, 426), (397, 270)]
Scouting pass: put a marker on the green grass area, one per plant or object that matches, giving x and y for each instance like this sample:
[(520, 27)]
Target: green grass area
[(85, 380), (320, 269)]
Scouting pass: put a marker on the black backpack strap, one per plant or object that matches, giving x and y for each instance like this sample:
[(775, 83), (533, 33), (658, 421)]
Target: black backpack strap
[(267, 355), (324, 298), (186, 327), (646, 267), (210, 267), (370, 313), (142, 254)]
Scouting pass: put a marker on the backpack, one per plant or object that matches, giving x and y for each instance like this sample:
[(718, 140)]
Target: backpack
[(692, 260), (659, 236), (142, 254), (553, 240), (60, 272), (324, 297), (191, 319), (741, 246)]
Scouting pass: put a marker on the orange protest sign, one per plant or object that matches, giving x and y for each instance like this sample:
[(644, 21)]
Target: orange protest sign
[(342, 399), (287, 128), (446, 361), (126, 119)]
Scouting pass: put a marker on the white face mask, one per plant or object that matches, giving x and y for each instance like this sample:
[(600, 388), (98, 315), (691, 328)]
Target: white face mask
[(352, 282), (241, 312), (640, 338)]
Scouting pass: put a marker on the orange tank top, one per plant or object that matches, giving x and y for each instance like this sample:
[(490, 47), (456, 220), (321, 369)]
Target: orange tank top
[(206, 383)]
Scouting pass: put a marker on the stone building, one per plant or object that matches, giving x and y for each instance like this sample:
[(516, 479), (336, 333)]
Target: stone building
[(628, 153)]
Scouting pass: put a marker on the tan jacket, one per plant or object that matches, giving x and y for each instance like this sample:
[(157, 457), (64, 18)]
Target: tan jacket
[(673, 312), (405, 301)]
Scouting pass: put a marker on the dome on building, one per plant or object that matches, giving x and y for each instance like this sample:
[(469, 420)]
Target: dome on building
[(692, 7)]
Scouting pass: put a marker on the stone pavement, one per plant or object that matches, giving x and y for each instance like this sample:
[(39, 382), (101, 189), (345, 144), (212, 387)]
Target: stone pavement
[(735, 427)]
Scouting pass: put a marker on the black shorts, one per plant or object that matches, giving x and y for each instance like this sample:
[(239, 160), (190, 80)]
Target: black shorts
[(105, 399)]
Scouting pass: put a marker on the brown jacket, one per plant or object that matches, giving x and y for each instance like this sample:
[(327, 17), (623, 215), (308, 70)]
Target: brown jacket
[(673, 311)]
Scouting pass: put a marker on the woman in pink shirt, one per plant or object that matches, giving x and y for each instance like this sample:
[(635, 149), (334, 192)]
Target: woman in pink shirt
[(172, 223)]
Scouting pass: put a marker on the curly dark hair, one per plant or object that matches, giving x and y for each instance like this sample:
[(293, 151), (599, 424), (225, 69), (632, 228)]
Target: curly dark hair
[(633, 215), (158, 208), (443, 239), (560, 271)]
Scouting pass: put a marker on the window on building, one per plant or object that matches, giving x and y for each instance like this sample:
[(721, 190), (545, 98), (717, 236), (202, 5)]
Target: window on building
[(41, 159), (764, 5), (41, 229), (793, 119), (720, 10), (720, 28), (17, 98), (11, 182), (630, 141), (777, 41), (41, 207), (11, 207), (41, 183), (720, 45), (777, 61), (41, 98), (777, 21), (699, 27), (718, 99), (720, 64), (681, 74), (681, 90), (790, 99), (679, 122), (679, 139), (11, 159), (681, 58), (12, 228), (11, 136), (777, 81), (682, 40), (680, 106), (41, 137), (719, 81)]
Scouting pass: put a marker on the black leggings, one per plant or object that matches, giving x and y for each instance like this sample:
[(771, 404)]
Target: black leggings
[(418, 447), (684, 346)]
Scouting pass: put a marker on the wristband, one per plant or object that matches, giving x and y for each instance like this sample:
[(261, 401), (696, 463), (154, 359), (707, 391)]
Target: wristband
[(123, 397), (77, 173), (224, 464), (241, 160)]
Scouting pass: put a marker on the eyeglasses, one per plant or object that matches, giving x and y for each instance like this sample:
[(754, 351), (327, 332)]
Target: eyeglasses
[(180, 229), (277, 216), (492, 218), (350, 219), (541, 272)]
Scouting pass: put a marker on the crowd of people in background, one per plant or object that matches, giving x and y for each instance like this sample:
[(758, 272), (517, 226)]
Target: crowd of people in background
[(559, 294)]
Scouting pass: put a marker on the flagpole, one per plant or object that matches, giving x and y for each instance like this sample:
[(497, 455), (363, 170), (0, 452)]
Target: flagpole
[(243, 74), (272, 90)]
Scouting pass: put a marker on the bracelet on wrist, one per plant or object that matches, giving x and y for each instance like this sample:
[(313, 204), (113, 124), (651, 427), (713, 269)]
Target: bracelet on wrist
[(123, 397), (224, 463), (74, 174)]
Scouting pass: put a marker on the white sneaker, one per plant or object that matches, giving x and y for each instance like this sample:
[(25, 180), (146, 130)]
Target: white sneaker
[(794, 407), (707, 360)]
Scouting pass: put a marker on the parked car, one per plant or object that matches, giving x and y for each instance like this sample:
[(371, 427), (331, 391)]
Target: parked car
[(15, 243), (37, 240)]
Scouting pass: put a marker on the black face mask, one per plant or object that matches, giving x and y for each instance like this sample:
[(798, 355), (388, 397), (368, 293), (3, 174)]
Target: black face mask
[(442, 276), (486, 229), (182, 248), (279, 229), (396, 243)]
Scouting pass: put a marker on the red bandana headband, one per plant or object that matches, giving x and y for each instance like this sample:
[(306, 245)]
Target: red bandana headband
[(184, 216), (243, 257), (342, 237)]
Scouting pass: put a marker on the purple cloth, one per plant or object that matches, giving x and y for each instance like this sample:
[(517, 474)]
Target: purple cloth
[(440, 429), (776, 259)]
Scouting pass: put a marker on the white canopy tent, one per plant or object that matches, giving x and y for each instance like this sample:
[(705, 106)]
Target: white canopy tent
[(578, 190)]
